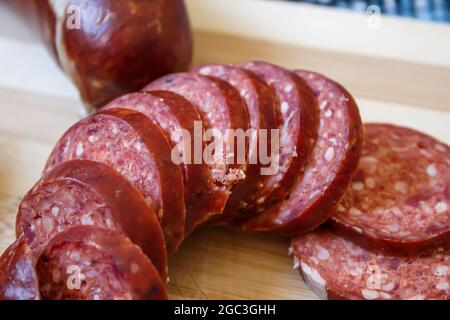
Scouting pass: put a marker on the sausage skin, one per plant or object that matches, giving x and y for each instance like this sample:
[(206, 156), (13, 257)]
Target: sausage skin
[(399, 200), (260, 102), (131, 144), (174, 114), (92, 263), (112, 47), (18, 278), (335, 268), (83, 192)]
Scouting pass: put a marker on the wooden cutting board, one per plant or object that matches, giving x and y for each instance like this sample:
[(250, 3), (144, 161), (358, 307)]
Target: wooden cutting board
[(399, 74)]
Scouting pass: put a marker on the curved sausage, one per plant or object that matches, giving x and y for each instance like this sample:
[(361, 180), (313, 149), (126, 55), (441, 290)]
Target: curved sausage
[(83, 192), (92, 263), (299, 118), (221, 109), (335, 268), (260, 101), (110, 47), (399, 201), (18, 278), (130, 143), (172, 113)]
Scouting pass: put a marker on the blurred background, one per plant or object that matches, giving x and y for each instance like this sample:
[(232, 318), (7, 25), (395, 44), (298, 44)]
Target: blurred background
[(433, 10)]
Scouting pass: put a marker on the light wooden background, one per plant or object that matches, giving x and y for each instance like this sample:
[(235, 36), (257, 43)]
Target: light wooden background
[(399, 74)]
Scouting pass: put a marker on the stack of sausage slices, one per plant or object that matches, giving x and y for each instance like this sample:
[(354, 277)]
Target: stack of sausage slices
[(122, 189)]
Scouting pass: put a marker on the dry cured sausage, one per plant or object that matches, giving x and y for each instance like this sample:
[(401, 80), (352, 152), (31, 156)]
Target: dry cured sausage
[(172, 113), (131, 144), (297, 109), (109, 47), (336, 268), (221, 109), (112, 191), (92, 263), (329, 168), (260, 101), (399, 200), (83, 192), (18, 278)]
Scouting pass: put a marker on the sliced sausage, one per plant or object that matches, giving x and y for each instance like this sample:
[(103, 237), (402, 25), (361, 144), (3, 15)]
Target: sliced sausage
[(297, 108), (83, 192), (336, 268), (92, 263), (130, 143), (221, 109), (260, 101), (18, 278), (172, 113), (331, 164), (399, 200)]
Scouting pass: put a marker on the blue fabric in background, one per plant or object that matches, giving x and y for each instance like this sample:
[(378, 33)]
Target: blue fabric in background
[(433, 10)]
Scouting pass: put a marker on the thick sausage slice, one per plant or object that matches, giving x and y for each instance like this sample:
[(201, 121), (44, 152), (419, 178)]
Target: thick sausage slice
[(172, 113), (18, 278), (336, 268), (221, 109), (330, 166), (399, 200), (92, 263), (83, 192), (260, 101), (298, 112), (130, 143)]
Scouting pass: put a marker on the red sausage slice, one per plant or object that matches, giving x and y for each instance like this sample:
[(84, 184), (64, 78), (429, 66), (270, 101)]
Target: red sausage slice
[(336, 268), (18, 278), (172, 113), (83, 192), (92, 263), (298, 112), (130, 143), (399, 200), (331, 164), (260, 101), (221, 108)]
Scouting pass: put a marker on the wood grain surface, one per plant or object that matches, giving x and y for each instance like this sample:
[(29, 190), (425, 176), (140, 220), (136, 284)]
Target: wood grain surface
[(393, 84)]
